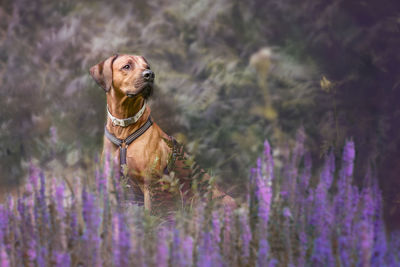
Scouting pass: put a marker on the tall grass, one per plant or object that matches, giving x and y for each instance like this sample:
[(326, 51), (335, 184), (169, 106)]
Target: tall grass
[(290, 219)]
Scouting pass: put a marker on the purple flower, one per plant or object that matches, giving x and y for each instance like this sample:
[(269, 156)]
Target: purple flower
[(287, 213), (348, 160), (91, 216), (346, 203), (263, 251), (53, 135), (322, 253), (207, 254), (124, 242), (227, 232), (162, 249), (33, 175), (394, 250), (264, 195), (61, 259), (303, 246), (204, 253), (115, 238), (322, 215), (5, 262), (269, 162), (365, 228), (176, 256), (59, 195), (3, 221), (41, 259), (216, 229), (328, 171), (380, 243), (245, 235), (187, 251)]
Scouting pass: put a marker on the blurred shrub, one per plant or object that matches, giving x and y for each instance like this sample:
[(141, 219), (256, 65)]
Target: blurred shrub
[(199, 50)]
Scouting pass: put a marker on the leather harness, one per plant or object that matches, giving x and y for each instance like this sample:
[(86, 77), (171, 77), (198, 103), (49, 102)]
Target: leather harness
[(123, 147), (123, 144)]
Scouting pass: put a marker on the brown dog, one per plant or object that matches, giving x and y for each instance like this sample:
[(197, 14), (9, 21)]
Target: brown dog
[(128, 82)]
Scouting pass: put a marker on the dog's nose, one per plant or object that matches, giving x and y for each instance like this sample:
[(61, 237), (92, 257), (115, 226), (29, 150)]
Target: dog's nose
[(148, 75)]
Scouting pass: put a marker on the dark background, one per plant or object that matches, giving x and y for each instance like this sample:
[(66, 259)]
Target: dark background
[(229, 73)]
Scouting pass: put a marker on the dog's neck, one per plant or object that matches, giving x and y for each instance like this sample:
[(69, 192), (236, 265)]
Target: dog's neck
[(121, 106)]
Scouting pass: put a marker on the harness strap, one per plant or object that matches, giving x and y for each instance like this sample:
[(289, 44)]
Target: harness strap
[(122, 156), (127, 141), (116, 141), (138, 132)]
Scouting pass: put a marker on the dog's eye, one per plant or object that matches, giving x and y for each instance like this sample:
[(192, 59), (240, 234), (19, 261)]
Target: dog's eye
[(126, 67)]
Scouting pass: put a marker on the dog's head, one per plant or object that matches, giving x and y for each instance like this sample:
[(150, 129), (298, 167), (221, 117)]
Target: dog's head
[(127, 74)]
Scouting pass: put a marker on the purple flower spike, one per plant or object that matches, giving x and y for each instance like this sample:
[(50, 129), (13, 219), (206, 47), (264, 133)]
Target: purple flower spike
[(3, 221), (60, 200), (115, 239), (124, 242), (176, 248), (245, 235), (227, 232), (187, 253), (216, 228), (348, 159), (263, 251), (264, 195), (33, 175), (305, 178), (162, 249), (207, 254), (5, 262), (62, 259), (92, 218), (269, 161), (322, 254), (328, 171)]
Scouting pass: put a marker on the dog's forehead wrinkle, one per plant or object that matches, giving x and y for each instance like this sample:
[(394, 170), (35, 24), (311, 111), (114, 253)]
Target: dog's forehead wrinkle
[(134, 58), (145, 61), (122, 61), (137, 60)]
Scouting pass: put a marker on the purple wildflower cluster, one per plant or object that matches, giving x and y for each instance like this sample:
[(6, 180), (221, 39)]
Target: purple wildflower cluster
[(290, 218)]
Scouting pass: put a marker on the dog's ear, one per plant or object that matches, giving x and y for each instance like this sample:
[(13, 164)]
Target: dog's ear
[(102, 73)]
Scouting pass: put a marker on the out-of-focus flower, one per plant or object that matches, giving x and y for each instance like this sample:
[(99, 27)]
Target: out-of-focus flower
[(263, 253), (245, 234), (5, 262), (187, 251), (319, 226), (53, 135), (162, 254)]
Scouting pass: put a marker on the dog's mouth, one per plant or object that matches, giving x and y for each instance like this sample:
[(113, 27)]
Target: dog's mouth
[(146, 90)]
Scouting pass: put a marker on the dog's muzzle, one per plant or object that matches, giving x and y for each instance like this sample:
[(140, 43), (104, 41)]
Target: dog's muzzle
[(147, 89), (148, 75)]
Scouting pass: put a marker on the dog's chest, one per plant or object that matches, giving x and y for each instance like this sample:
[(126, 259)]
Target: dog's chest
[(144, 158)]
